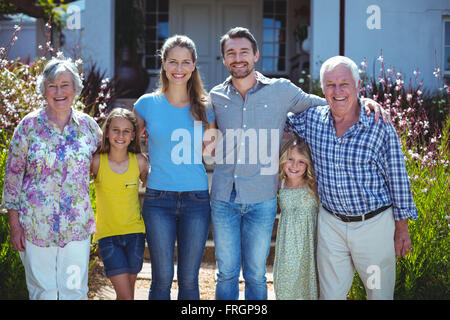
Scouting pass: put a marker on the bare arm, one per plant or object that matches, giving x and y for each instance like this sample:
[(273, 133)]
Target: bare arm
[(143, 167), (16, 230), (141, 123), (95, 165)]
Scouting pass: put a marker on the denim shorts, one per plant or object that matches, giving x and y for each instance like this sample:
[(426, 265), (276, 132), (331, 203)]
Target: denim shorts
[(122, 253)]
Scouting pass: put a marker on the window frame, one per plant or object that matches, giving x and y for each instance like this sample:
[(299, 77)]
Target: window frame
[(274, 29), (154, 55)]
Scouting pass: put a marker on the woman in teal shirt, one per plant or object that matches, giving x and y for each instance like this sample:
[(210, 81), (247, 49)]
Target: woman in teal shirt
[(176, 205)]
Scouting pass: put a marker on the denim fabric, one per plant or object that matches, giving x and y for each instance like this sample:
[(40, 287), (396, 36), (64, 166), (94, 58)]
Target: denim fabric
[(122, 253), (242, 236), (176, 216), (261, 114)]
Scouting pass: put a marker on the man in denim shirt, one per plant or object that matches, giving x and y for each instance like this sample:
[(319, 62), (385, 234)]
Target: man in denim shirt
[(250, 112)]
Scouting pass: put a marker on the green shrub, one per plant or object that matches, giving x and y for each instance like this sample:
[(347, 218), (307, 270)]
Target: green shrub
[(12, 273), (424, 273)]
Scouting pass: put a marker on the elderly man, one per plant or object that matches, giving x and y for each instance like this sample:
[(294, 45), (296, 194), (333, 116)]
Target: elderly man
[(363, 187)]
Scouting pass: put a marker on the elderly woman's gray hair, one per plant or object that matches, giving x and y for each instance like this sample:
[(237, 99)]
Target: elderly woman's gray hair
[(333, 62), (53, 69)]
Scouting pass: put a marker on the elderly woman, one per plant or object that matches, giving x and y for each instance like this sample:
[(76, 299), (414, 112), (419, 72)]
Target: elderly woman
[(47, 188)]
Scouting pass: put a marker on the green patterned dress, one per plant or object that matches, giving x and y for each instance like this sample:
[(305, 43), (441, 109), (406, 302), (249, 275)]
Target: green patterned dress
[(294, 271)]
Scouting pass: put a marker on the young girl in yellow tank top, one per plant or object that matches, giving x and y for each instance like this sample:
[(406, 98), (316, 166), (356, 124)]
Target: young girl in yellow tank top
[(117, 167)]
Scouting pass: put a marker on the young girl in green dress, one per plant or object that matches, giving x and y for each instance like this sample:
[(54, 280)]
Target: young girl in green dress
[(295, 272)]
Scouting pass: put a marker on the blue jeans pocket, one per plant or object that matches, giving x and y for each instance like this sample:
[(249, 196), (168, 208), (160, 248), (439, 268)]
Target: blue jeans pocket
[(202, 196), (154, 194), (140, 246), (106, 247)]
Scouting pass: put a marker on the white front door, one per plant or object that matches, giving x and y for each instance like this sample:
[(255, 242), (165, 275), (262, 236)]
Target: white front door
[(205, 21)]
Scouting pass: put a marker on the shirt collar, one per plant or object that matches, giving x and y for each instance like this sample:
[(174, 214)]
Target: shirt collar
[(363, 118), (74, 117), (260, 79)]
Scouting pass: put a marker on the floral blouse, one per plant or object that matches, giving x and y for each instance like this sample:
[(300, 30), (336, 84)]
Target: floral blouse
[(47, 178)]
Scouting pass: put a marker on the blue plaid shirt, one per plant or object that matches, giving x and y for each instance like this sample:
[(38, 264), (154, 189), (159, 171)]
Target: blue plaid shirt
[(359, 172)]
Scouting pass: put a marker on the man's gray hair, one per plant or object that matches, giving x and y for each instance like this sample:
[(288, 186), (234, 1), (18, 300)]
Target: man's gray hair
[(333, 62), (53, 69)]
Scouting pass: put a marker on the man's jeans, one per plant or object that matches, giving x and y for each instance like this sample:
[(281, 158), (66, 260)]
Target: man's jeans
[(242, 236)]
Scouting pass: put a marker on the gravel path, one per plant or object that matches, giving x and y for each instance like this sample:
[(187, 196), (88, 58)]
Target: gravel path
[(100, 288)]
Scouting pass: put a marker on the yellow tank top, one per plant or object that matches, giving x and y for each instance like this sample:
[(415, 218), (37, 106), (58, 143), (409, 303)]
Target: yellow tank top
[(118, 209)]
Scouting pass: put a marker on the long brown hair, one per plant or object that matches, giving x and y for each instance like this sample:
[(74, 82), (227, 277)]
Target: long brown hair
[(197, 94), (135, 144), (301, 146)]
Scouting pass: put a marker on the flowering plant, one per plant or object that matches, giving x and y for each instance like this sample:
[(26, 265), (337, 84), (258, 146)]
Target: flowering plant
[(417, 116), (423, 125), (18, 94)]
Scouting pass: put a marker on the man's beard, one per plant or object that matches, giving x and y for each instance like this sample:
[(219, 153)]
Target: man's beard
[(242, 73)]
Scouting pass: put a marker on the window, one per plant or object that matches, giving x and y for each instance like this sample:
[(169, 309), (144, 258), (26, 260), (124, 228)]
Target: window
[(446, 54), (274, 37), (156, 31)]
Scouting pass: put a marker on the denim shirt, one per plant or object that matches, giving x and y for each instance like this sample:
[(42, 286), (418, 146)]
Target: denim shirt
[(250, 132)]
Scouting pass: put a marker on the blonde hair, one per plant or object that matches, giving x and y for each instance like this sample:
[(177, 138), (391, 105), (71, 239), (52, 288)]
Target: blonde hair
[(301, 146), (197, 94), (135, 144)]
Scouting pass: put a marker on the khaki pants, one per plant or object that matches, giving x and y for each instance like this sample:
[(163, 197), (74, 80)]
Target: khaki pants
[(367, 246)]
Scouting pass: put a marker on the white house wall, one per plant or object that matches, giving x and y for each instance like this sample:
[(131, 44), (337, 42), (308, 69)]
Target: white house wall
[(325, 33), (25, 46), (98, 35), (408, 32)]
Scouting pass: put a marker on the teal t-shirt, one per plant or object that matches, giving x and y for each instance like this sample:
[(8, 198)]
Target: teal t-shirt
[(174, 144)]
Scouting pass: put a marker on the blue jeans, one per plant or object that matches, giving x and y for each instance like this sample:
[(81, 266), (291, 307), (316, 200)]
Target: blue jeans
[(180, 216), (242, 236)]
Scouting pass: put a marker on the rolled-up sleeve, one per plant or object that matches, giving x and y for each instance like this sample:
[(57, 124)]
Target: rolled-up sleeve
[(296, 123)]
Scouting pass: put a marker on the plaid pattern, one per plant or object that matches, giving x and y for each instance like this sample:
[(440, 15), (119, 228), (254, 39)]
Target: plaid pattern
[(359, 172)]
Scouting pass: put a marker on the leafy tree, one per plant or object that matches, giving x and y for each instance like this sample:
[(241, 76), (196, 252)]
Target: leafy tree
[(44, 9)]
